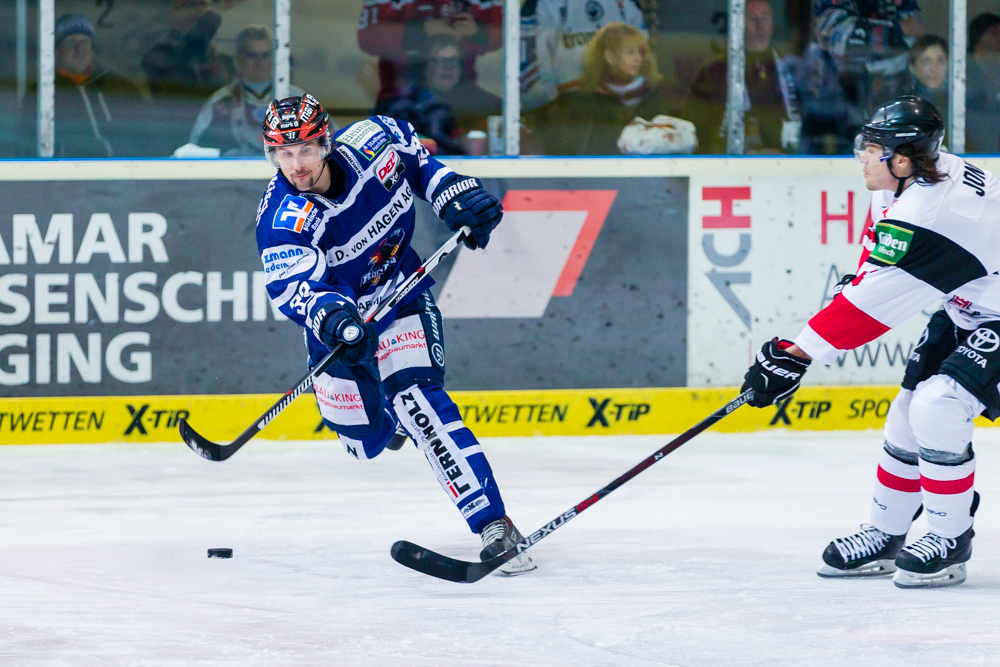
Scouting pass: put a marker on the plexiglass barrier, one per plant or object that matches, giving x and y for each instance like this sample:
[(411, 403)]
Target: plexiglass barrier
[(191, 78)]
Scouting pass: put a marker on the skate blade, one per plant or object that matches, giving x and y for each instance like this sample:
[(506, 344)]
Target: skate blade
[(396, 443), (953, 575), (878, 568), (517, 566)]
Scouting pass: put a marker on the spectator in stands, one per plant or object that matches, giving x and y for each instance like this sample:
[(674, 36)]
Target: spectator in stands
[(869, 41), (442, 106), (619, 81), (983, 86), (929, 71), (984, 34), (834, 75), (97, 112), (771, 117), (185, 68), (231, 118), (398, 32), (554, 36)]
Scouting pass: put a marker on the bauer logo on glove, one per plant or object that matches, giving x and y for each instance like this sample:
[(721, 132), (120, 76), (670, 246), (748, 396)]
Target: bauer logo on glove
[(776, 370), (775, 374)]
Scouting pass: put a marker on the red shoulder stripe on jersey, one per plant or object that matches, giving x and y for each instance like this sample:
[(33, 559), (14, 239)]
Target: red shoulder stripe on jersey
[(947, 487), (845, 326), (896, 483)]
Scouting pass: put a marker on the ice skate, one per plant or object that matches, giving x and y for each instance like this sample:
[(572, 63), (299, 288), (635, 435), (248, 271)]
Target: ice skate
[(500, 536), (934, 561), (867, 553)]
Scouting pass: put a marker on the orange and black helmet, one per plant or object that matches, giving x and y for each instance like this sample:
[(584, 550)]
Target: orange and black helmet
[(295, 120)]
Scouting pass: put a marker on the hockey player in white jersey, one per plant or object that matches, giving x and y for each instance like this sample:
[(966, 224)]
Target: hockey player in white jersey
[(554, 35), (334, 230), (934, 236)]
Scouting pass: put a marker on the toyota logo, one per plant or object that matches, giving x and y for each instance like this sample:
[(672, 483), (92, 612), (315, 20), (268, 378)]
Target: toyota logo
[(984, 340)]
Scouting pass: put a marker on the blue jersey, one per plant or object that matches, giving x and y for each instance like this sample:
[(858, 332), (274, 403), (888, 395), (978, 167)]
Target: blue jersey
[(319, 253)]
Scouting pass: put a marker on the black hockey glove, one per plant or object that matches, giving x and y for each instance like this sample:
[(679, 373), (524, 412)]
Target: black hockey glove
[(344, 325), (463, 201), (775, 375), (844, 282)]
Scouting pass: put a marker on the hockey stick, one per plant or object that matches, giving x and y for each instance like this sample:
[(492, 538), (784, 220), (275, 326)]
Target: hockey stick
[(429, 562), (216, 452)]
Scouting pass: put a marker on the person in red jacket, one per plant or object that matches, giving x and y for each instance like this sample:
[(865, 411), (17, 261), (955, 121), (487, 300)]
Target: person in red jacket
[(398, 31)]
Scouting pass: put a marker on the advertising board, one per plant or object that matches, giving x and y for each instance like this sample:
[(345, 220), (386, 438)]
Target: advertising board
[(619, 296), (153, 286)]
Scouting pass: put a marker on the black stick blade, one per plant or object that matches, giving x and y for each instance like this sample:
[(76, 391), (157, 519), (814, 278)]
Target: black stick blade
[(202, 446), (437, 565)]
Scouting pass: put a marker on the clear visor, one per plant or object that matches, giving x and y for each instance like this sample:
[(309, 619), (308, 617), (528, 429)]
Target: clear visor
[(298, 155), (868, 152)]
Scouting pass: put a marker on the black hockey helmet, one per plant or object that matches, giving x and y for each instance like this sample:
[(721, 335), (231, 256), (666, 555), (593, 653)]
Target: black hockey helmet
[(906, 121)]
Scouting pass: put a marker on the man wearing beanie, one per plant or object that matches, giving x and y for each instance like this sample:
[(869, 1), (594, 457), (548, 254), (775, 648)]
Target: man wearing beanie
[(97, 112)]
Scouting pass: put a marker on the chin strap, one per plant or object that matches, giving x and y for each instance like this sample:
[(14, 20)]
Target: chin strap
[(325, 165), (902, 181)]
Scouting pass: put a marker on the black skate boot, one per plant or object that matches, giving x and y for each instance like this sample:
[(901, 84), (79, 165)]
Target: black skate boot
[(398, 440), (500, 536), (934, 561), (868, 553)]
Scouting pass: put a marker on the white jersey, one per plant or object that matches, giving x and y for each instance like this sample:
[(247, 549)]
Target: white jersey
[(937, 242), (554, 35)]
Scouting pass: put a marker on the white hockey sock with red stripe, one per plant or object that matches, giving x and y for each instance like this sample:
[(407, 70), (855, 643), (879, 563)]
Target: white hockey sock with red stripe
[(897, 486), (947, 495), (941, 415), (897, 495)]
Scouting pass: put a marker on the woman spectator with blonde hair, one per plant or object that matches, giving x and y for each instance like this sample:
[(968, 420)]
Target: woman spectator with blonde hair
[(620, 81)]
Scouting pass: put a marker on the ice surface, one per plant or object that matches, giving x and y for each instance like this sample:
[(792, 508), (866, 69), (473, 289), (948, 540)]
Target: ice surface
[(708, 558)]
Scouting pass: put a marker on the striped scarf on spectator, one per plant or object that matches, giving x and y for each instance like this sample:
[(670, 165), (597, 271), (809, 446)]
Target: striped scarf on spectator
[(629, 94)]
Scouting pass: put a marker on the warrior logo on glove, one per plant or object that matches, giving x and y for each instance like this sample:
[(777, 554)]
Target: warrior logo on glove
[(463, 201)]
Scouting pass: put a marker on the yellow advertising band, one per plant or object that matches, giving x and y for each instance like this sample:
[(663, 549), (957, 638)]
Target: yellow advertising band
[(26, 421)]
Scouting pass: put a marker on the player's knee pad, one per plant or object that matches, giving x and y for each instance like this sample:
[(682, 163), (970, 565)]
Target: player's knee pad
[(899, 439), (941, 415), (433, 421)]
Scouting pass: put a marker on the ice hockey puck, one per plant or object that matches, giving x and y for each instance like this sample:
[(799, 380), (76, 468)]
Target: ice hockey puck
[(220, 553)]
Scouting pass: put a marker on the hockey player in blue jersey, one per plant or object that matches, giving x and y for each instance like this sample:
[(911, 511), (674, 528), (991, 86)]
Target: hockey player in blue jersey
[(334, 230)]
